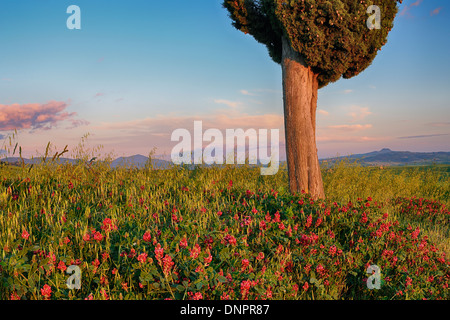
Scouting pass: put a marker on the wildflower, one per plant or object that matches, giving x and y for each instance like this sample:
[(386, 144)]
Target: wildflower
[(197, 296), (319, 221), (14, 296), (159, 252), (108, 225), (86, 237), (245, 288), (195, 251), (305, 286), (142, 257), (415, 233), (98, 236), (46, 291), (89, 297), (25, 235), (95, 263), (308, 221), (225, 296), (105, 256), (147, 236), (245, 264), (332, 251), (104, 294), (183, 243), (262, 225), (269, 293), (167, 264), (408, 282), (364, 218), (62, 266), (208, 259), (260, 256)]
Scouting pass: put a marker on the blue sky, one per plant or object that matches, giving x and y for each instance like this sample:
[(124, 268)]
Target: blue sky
[(139, 69)]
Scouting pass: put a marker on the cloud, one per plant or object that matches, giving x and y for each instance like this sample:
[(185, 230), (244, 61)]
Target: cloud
[(359, 113), (156, 131), (323, 112), (34, 116), (352, 127), (75, 123), (435, 11), (439, 124), (99, 94), (231, 104), (348, 91), (406, 9), (246, 93), (6, 79), (425, 136), (348, 139)]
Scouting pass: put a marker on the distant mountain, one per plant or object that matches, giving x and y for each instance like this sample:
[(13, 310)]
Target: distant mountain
[(387, 157), (138, 161), (384, 157)]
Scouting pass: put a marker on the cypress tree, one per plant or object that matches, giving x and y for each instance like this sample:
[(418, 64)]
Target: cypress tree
[(316, 42)]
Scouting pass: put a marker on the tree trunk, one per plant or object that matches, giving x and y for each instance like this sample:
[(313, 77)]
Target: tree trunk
[(300, 89)]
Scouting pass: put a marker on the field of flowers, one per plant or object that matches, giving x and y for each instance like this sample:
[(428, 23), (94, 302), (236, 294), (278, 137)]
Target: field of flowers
[(217, 233)]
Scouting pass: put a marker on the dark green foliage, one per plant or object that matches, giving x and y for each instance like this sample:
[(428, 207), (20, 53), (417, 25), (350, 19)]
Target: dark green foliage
[(331, 35)]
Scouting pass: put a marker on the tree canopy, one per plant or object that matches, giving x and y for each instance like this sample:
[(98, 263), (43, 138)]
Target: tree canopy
[(330, 35)]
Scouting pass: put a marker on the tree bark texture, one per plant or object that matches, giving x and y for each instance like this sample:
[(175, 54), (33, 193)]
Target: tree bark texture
[(300, 89)]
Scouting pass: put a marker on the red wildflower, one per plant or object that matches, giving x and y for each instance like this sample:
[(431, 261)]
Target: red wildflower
[(195, 251), (167, 264), (308, 221), (62, 266), (25, 235), (305, 286), (98, 236), (183, 243), (159, 252), (142, 257), (245, 264), (147, 236), (46, 291), (14, 296)]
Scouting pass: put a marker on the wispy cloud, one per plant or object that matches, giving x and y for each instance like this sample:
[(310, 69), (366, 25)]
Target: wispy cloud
[(231, 104), (323, 112), (348, 91), (351, 127), (358, 113), (349, 139), (247, 93), (406, 8), (425, 136), (435, 11), (439, 124), (99, 94), (35, 116)]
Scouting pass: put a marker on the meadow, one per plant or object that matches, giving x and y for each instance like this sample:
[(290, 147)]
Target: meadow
[(222, 233)]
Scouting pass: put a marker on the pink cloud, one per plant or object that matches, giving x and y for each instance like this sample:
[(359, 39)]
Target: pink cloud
[(352, 127), (406, 9), (435, 11), (33, 115)]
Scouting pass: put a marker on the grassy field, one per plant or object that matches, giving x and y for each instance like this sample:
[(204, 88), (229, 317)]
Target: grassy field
[(226, 233)]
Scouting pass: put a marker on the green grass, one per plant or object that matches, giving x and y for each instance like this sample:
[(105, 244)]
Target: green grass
[(56, 202)]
